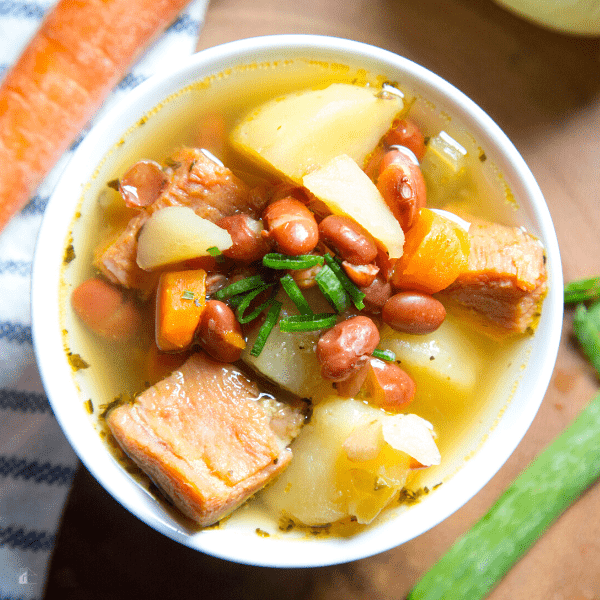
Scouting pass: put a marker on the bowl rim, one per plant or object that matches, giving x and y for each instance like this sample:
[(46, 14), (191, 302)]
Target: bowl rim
[(225, 543)]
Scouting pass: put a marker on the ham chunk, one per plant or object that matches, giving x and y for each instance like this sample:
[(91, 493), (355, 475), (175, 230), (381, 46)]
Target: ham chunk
[(195, 181), (207, 437), (506, 280)]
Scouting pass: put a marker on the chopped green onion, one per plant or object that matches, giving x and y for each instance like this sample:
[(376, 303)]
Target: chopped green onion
[(307, 322), (484, 554), (384, 354), (352, 290), (214, 251), (332, 289), (293, 291), (239, 287), (235, 301), (187, 295), (283, 261), (582, 290), (245, 303), (266, 328), (586, 326)]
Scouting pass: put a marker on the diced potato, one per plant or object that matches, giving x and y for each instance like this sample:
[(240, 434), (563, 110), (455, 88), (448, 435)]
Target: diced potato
[(446, 354), (322, 483), (365, 442), (303, 131), (289, 359), (175, 234), (346, 190)]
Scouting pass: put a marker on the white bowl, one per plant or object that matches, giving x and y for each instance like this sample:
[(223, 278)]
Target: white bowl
[(109, 143)]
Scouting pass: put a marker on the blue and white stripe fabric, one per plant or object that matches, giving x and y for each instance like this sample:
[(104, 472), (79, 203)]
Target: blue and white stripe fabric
[(37, 465)]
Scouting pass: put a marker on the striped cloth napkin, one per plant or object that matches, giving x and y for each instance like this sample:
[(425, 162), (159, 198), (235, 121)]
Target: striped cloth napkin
[(37, 465)]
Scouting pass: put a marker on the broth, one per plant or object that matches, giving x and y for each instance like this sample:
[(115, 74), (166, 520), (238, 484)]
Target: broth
[(461, 419)]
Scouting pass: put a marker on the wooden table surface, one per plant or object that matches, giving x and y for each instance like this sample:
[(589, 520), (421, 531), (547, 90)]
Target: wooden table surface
[(543, 89)]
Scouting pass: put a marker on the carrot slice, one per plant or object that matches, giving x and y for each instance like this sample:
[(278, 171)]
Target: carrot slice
[(78, 55), (436, 251), (180, 302)]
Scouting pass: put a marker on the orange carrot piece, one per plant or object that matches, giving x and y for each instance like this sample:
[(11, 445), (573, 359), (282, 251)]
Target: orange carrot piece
[(180, 302), (436, 252), (81, 51), (106, 310)]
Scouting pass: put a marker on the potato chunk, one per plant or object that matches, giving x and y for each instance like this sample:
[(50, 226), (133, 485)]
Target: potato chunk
[(345, 467), (289, 359), (346, 190), (304, 130), (176, 233), (446, 354)]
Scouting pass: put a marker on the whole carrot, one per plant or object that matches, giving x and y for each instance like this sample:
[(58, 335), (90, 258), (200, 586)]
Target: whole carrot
[(81, 51)]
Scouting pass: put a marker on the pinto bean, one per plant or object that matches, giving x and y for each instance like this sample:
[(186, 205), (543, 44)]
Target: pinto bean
[(246, 233), (351, 241), (376, 295), (406, 133), (346, 347), (106, 310), (142, 184), (214, 282), (402, 186), (305, 278), (219, 332), (349, 388), (291, 225), (361, 275), (388, 386), (413, 312)]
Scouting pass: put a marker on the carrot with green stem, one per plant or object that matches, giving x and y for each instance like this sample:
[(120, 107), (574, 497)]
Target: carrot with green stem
[(81, 51)]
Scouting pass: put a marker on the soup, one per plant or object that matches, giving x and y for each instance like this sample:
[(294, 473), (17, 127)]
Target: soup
[(349, 431)]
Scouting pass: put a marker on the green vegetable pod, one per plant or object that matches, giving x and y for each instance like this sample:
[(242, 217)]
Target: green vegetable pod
[(483, 555)]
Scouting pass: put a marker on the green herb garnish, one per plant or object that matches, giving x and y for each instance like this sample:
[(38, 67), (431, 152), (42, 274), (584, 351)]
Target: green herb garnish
[(266, 328), (293, 291), (285, 262), (247, 300), (239, 287), (295, 323), (214, 251), (384, 355), (351, 289), (187, 295), (332, 289)]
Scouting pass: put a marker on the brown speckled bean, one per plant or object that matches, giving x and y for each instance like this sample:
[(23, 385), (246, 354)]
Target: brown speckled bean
[(413, 312), (351, 241), (402, 186), (389, 386), (142, 184), (291, 226), (346, 347), (376, 295), (219, 332), (246, 233)]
